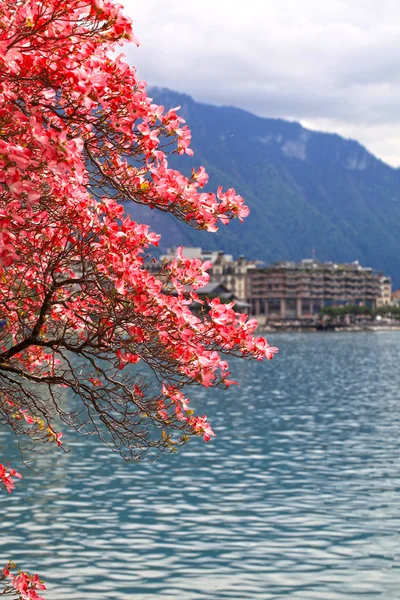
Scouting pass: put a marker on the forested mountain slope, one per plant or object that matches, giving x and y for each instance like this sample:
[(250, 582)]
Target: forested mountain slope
[(306, 190)]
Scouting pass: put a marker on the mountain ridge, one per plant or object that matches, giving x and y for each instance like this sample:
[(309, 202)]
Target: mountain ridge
[(306, 189)]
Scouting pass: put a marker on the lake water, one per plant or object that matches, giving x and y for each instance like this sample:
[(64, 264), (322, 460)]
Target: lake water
[(297, 497)]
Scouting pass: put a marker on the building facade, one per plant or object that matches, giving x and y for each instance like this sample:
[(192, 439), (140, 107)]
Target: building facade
[(293, 291), (300, 291), (396, 298), (385, 298), (225, 270)]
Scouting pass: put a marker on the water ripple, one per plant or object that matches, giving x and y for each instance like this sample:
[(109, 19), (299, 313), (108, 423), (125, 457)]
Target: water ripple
[(297, 497)]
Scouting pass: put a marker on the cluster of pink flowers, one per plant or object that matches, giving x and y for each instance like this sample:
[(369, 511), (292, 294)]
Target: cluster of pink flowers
[(6, 475), (22, 584), (37, 424)]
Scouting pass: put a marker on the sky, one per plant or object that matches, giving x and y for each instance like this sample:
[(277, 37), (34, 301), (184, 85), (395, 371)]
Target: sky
[(333, 65)]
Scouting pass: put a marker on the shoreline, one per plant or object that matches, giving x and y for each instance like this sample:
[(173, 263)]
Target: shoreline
[(332, 329)]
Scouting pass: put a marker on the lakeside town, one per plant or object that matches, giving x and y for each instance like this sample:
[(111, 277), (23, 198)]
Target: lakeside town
[(307, 295)]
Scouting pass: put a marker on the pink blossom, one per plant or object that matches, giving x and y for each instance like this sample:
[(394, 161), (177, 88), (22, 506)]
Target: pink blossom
[(201, 177), (270, 351), (6, 475)]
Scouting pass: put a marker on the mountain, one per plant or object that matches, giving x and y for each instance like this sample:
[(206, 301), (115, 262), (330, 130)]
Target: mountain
[(306, 190)]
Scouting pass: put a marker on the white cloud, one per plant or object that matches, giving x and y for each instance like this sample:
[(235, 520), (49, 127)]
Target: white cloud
[(332, 64)]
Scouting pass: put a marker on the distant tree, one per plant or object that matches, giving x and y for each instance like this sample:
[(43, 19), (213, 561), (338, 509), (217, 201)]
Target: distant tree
[(388, 311), (78, 137), (354, 310), (343, 311)]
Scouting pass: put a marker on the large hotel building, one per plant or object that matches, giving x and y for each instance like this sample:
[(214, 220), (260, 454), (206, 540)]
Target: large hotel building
[(289, 290), (299, 291)]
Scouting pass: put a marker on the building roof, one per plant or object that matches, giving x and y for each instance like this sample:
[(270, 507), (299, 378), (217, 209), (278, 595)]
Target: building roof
[(215, 288), (218, 289)]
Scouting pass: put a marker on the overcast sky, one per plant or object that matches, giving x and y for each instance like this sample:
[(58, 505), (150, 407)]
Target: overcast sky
[(333, 65)]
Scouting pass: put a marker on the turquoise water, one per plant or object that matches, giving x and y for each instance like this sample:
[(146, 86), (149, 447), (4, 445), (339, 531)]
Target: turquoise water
[(297, 497)]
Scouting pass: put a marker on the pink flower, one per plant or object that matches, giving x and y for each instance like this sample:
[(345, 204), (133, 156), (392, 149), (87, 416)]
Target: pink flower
[(202, 427), (120, 286), (6, 475), (28, 418), (201, 176), (127, 357), (6, 571), (270, 351)]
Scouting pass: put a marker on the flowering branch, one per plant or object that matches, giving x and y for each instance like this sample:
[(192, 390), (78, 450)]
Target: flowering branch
[(89, 337)]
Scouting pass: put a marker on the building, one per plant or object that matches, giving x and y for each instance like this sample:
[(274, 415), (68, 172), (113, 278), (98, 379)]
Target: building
[(293, 291), (215, 289), (299, 291), (385, 298), (396, 298), (225, 270), (232, 273)]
